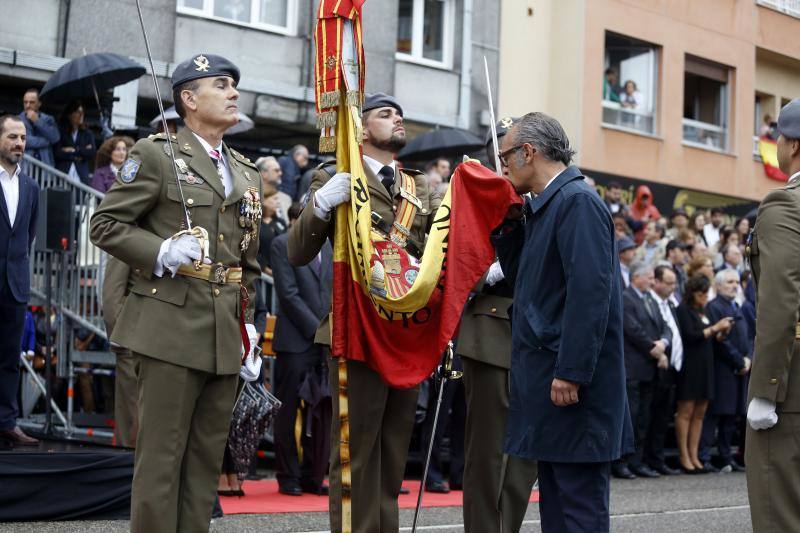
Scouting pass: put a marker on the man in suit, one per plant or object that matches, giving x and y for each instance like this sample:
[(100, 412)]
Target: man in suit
[(626, 249), (646, 343), (41, 129), (676, 256), (381, 417), (187, 324), (773, 412), (663, 409), (731, 366), (17, 229), (496, 486), (304, 299), (566, 372)]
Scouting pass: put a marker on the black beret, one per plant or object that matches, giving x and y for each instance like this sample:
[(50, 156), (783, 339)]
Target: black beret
[(502, 126), (376, 100), (204, 66), (789, 120)]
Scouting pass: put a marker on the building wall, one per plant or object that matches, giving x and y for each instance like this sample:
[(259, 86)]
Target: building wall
[(777, 79), (36, 31)]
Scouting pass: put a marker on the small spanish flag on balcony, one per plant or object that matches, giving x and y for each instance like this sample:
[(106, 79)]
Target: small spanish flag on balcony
[(769, 155)]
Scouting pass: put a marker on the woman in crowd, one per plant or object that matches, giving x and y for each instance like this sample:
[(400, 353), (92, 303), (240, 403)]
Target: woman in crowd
[(696, 377), (698, 221), (271, 226), (76, 148), (110, 157), (743, 229), (728, 236)]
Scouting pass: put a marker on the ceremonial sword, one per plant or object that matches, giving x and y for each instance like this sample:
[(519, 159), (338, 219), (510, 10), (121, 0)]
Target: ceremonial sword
[(200, 233), (491, 117)]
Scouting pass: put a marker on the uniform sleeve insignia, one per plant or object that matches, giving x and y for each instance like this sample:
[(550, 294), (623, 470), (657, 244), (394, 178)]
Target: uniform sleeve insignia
[(128, 171)]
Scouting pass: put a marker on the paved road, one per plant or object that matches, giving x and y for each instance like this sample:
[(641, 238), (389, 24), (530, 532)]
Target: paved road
[(713, 503)]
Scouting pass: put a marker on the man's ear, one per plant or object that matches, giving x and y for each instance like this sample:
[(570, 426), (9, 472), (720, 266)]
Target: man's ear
[(795, 148), (188, 98)]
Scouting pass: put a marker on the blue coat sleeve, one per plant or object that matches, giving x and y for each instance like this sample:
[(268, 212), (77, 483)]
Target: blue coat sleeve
[(508, 241), (585, 242)]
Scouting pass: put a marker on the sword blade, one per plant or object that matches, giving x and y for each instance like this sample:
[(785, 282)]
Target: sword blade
[(491, 117), (430, 452)]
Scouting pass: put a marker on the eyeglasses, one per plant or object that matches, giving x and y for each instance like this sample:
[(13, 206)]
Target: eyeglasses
[(503, 156)]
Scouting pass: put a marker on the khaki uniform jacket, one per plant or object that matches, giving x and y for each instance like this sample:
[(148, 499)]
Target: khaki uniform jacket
[(184, 321), (308, 233), (485, 331), (115, 290), (774, 253)]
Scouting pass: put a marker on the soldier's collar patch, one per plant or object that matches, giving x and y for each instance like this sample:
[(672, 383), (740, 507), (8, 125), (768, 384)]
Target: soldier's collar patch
[(127, 173)]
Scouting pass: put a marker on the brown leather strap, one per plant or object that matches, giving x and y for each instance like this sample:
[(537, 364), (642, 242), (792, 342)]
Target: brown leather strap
[(212, 273)]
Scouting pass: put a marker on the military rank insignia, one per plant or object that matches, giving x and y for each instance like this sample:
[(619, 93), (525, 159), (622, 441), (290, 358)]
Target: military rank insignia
[(249, 216), (127, 173)]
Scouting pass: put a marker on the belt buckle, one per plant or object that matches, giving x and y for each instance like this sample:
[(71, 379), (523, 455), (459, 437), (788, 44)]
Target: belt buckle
[(220, 273)]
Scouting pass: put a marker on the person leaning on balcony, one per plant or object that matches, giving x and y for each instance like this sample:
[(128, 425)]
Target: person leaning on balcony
[(773, 415), (630, 97), (41, 129), (18, 207)]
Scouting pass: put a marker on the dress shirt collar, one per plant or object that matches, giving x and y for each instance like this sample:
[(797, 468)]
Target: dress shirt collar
[(375, 166), (796, 175), (659, 299), (207, 147), (4, 173)]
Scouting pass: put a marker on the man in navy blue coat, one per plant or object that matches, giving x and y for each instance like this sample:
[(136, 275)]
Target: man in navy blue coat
[(18, 205), (568, 406)]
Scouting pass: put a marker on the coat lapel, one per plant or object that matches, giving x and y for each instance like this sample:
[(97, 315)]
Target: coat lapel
[(240, 183), (24, 190), (200, 161), (568, 174), (375, 186), (4, 208)]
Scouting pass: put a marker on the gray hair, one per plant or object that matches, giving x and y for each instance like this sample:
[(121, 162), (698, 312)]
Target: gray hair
[(719, 277), (546, 135), (261, 161), (639, 268)]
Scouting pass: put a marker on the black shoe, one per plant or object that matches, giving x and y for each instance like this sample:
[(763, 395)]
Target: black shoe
[(227, 492), (664, 470), (737, 467), (692, 472), (404, 490), (708, 468), (321, 490), (622, 472), (456, 486), (290, 490), (439, 487), (644, 471)]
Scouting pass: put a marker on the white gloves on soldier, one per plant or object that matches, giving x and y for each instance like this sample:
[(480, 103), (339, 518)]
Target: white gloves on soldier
[(336, 191), (761, 414), (251, 368), (495, 274), (176, 252)]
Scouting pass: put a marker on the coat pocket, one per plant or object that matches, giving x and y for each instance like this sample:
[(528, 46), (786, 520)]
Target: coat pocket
[(546, 335), (193, 195), (166, 289)]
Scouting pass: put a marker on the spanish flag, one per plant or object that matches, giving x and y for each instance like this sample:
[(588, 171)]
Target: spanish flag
[(769, 155), (389, 311)]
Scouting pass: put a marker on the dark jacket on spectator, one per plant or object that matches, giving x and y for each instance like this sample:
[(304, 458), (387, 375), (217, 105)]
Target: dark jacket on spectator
[(290, 176), (304, 297), (730, 389), (16, 240), (643, 325), (85, 151), (40, 137)]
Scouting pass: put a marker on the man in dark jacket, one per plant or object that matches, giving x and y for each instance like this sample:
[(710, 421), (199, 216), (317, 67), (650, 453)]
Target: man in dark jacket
[(731, 367), (18, 207), (568, 408), (41, 129), (304, 298), (647, 338)]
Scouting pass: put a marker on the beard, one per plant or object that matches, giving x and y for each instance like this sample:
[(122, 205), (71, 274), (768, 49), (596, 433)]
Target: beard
[(10, 157), (393, 144)]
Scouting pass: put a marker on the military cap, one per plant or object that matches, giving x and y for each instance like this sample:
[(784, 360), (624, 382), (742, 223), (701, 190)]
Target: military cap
[(376, 100), (204, 66), (625, 243), (502, 126), (789, 120)]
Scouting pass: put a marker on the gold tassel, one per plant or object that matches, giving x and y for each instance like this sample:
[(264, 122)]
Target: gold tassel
[(330, 99), (327, 144), (326, 119), (353, 98)]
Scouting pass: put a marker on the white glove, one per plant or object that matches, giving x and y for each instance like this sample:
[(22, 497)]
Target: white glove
[(761, 414), (495, 274), (336, 191), (252, 365), (176, 252)]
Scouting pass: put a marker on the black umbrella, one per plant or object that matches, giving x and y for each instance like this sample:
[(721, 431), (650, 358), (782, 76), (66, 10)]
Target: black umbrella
[(441, 142), (85, 75)]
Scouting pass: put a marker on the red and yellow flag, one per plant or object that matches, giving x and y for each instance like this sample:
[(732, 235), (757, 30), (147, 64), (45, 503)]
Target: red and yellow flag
[(769, 155)]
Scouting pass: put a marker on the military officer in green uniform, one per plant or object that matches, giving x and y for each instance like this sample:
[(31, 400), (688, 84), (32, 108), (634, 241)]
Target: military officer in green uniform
[(772, 453), (187, 318), (497, 487), (115, 289), (381, 417)]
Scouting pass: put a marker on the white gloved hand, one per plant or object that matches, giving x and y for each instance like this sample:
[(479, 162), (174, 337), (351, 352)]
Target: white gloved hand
[(176, 252), (336, 191), (495, 274), (252, 365), (761, 414)]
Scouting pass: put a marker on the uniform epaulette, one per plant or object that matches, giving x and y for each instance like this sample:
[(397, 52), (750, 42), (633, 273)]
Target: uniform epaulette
[(242, 158), (162, 137), (413, 171), (325, 164)]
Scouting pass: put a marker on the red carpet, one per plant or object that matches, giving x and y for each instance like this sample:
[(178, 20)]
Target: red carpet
[(262, 497)]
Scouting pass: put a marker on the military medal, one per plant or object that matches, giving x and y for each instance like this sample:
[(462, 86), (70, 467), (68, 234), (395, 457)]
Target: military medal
[(249, 216)]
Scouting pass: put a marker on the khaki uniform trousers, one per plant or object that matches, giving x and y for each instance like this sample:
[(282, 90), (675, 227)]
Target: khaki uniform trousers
[(184, 417), (773, 476), (497, 487), (126, 415), (381, 422)]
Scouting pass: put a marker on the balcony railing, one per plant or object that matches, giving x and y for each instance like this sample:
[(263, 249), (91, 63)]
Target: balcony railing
[(704, 135), (790, 7), (626, 118)]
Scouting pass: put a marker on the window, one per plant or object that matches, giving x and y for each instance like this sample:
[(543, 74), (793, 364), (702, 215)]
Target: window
[(273, 15), (705, 103), (425, 31), (629, 83)]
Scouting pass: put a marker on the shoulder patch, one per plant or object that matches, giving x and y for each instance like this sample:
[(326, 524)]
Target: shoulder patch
[(127, 173)]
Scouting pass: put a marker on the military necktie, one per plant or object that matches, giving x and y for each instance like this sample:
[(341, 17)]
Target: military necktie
[(387, 178), (216, 157)]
